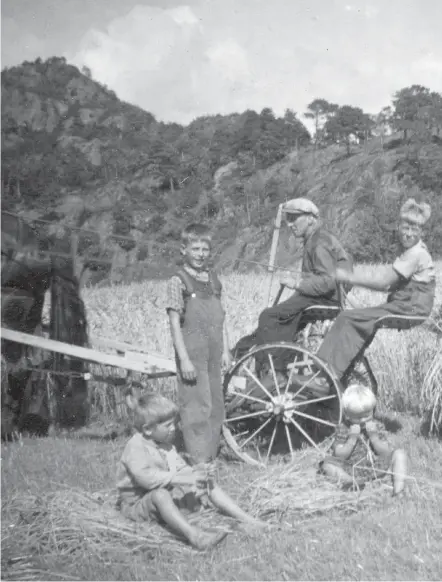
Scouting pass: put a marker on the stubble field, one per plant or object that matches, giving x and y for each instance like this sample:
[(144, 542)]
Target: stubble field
[(387, 539)]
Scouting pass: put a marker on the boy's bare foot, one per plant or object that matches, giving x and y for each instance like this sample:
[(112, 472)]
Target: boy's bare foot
[(203, 540)]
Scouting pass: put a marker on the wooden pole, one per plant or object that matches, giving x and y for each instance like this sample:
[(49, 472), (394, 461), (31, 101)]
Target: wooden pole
[(74, 254), (274, 248)]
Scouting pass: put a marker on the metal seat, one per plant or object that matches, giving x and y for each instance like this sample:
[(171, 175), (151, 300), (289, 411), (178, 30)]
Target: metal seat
[(399, 322), (320, 313)]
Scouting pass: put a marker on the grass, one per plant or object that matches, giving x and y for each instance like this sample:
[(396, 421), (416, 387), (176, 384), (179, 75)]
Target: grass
[(359, 538)]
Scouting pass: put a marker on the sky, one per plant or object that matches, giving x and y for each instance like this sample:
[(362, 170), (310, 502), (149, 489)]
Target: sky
[(180, 59)]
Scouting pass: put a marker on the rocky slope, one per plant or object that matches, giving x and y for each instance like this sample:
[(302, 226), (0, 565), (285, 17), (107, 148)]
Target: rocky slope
[(74, 154)]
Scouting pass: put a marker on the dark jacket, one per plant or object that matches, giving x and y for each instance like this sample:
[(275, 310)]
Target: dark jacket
[(323, 254)]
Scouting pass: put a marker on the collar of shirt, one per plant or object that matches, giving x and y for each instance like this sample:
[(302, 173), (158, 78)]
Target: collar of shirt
[(202, 276), (309, 239)]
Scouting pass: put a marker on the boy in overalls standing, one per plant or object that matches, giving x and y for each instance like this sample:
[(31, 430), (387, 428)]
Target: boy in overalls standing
[(199, 335)]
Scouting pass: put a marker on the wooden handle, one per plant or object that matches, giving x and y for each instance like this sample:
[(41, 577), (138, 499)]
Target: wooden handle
[(278, 296)]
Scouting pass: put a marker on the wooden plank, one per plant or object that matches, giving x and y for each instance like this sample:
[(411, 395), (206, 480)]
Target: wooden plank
[(135, 352), (86, 353)]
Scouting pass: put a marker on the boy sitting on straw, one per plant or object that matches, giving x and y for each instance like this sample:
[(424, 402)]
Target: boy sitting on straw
[(353, 461), (155, 482)]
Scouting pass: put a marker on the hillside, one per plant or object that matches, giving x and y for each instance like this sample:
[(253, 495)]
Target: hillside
[(74, 154)]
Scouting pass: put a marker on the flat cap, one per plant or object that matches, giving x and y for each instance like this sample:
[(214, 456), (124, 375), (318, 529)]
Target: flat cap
[(300, 206)]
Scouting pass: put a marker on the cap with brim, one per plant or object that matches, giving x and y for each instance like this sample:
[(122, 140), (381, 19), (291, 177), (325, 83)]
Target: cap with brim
[(300, 206)]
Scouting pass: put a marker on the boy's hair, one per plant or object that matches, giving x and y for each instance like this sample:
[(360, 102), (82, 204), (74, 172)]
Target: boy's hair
[(151, 410), (196, 232), (358, 399)]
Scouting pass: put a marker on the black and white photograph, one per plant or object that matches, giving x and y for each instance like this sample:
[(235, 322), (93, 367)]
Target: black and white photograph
[(221, 290)]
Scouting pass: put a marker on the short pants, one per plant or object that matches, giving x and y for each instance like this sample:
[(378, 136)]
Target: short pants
[(187, 500)]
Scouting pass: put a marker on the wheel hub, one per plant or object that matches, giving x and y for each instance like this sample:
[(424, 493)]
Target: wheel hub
[(282, 406)]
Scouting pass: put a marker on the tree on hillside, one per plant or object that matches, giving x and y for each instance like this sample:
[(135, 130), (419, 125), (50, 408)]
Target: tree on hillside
[(348, 122), (86, 72), (320, 110), (407, 105), (382, 123), (248, 134), (294, 131)]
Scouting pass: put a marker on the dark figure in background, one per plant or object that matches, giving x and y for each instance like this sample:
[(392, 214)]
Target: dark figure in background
[(28, 272), (323, 254)]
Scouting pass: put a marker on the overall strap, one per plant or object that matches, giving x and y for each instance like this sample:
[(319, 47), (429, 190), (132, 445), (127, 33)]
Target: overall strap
[(187, 281), (215, 284)]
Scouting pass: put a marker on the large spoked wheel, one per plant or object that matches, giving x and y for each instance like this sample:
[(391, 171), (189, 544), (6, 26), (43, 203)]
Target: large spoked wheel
[(279, 397)]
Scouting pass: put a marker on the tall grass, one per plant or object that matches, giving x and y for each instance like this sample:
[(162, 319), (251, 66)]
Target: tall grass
[(135, 313)]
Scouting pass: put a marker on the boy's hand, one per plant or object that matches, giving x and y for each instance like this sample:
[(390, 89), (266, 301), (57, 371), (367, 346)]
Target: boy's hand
[(370, 426), (355, 430), (186, 476), (287, 280), (343, 276), (208, 468), (200, 475), (188, 370)]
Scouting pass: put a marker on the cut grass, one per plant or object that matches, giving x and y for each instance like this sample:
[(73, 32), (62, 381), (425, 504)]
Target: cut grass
[(376, 538), (387, 539)]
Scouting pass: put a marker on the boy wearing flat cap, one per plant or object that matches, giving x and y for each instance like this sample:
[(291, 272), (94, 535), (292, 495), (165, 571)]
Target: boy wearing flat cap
[(323, 255), (410, 282)]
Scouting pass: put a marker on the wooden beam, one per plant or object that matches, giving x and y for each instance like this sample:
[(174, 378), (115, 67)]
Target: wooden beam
[(135, 352), (88, 354)]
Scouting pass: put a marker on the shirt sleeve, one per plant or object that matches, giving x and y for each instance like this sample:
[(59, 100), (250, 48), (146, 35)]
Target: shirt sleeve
[(321, 281), (180, 462), (143, 470), (408, 263), (174, 295)]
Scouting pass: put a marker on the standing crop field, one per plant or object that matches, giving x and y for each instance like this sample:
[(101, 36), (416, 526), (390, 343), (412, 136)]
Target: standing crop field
[(135, 313)]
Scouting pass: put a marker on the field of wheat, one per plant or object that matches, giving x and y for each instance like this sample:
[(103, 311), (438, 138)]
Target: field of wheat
[(403, 361)]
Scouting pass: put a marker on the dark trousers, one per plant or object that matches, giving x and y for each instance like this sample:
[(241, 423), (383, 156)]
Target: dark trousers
[(344, 343), (280, 323)]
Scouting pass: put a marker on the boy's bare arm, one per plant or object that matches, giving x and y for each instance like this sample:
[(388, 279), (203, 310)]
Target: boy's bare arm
[(378, 279), (344, 450), (380, 446), (187, 368), (227, 358)]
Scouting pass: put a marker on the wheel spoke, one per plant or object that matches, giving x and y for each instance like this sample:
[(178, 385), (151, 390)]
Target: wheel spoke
[(253, 435), (306, 384), (255, 379), (289, 439), (315, 418), (242, 417), (292, 367), (272, 440), (306, 435), (272, 366), (312, 401), (248, 397)]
